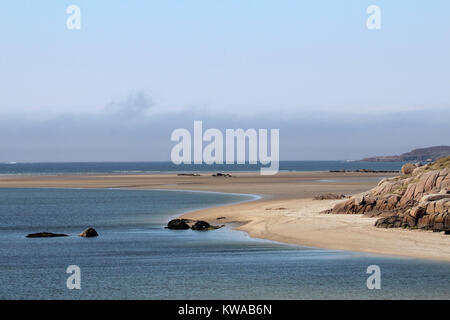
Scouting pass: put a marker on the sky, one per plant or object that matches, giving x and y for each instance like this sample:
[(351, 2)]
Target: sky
[(136, 70)]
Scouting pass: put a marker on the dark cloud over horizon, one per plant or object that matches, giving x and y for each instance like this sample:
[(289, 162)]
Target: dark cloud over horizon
[(316, 136)]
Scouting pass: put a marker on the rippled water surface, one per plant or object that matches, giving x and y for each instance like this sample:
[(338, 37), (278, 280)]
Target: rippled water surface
[(135, 257)]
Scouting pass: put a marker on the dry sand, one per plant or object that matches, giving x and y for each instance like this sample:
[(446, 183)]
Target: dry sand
[(286, 213), (300, 221)]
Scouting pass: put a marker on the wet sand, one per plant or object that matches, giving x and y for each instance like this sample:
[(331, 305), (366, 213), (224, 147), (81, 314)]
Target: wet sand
[(284, 185)]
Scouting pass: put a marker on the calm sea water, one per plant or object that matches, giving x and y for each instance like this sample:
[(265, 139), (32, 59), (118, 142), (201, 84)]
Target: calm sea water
[(135, 257), (161, 167)]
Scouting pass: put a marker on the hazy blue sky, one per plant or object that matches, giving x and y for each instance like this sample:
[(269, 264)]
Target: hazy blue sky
[(138, 69)]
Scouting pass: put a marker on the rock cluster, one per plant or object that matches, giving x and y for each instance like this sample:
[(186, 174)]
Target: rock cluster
[(420, 199), (182, 224)]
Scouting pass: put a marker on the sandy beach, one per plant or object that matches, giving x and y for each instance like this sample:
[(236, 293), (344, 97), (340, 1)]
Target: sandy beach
[(286, 212)]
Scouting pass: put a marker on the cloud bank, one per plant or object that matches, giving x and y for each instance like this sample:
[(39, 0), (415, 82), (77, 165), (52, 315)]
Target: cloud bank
[(129, 134)]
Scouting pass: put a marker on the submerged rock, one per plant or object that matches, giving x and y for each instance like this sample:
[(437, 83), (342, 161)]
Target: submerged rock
[(88, 233), (46, 235), (178, 224)]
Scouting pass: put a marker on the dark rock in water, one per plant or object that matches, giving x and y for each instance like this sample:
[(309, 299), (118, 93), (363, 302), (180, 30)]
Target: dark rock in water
[(88, 233), (204, 226), (201, 226), (46, 235), (178, 224), (219, 174), (183, 224)]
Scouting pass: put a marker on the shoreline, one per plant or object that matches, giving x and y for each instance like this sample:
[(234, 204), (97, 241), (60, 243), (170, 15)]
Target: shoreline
[(281, 208), (298, 222)]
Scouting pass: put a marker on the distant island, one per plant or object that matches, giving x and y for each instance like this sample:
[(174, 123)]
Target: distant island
[(423, 154)]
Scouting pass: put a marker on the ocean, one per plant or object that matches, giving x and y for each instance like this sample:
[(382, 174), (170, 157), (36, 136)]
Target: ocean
[(136, 257), (164, 167)]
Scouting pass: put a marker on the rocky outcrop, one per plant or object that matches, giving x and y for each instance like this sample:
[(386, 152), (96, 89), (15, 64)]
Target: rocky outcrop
[(45, 235), (420, 199), (89, 233)]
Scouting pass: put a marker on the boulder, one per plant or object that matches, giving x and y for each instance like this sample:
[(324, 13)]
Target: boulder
[(178, 224), (89, 233), (204, 226), (201, 226), (46, 235), (408, 168)]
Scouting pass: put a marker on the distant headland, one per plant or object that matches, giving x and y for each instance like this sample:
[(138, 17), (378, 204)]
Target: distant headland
[(424, 154)]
